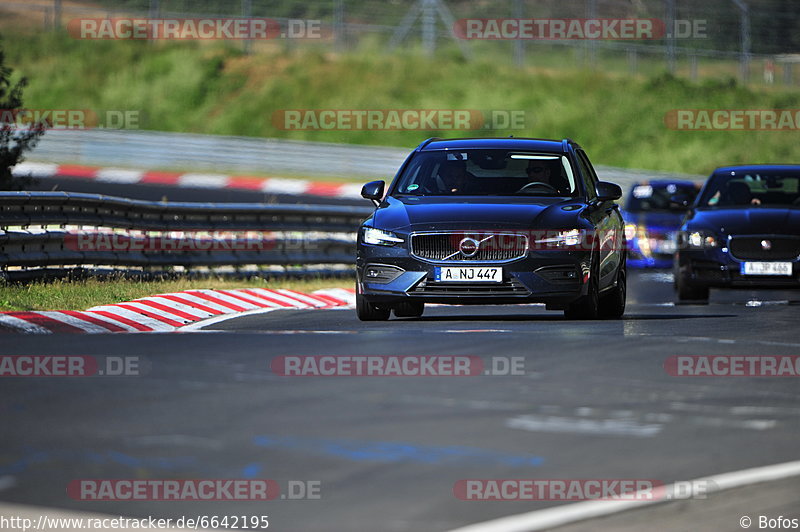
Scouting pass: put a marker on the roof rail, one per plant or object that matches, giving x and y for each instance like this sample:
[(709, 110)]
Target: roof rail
[(428, 141)]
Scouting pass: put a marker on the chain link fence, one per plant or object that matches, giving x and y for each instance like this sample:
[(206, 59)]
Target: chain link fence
[(754, 41)]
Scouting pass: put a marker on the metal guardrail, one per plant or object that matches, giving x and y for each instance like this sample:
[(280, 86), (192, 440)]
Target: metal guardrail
[(69, 208), (216, 153), (59, 229)]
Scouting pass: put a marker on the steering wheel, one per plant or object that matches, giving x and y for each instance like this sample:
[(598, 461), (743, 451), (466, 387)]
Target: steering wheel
[(530, 186)]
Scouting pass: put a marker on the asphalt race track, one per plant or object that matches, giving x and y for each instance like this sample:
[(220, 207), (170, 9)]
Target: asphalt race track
[(594, 402)]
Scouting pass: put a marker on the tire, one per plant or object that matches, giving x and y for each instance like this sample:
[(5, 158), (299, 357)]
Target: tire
[(686, 292), (409, 309), (367, 311), (586, 307), (612, 304)]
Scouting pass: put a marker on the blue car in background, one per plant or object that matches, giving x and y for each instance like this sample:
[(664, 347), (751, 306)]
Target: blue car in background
[(743, 231), (653, 214)]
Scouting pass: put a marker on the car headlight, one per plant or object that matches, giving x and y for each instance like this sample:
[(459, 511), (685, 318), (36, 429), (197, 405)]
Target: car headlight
[(701, 239), (571, 237), (630, 231), (379, 237)]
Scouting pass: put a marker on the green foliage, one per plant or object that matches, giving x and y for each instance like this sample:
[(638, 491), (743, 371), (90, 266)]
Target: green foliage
[(14, 141), (185, 86)]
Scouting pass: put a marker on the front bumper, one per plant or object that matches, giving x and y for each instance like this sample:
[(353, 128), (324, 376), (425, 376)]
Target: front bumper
[(715, 268), (554, 277)]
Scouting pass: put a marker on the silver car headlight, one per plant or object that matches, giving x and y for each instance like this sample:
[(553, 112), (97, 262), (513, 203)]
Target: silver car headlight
[(571, 237), (701, 239), (379, 237)]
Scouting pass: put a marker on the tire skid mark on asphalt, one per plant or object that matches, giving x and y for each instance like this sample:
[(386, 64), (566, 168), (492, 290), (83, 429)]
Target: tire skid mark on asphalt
[(687, 339), (7, 482), (614, 422), (36, 457), (393, 451), (602, 427), (171, 312), (176, 440)]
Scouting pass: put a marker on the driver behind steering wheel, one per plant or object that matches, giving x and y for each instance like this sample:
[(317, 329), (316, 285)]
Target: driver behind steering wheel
[(540, 172)]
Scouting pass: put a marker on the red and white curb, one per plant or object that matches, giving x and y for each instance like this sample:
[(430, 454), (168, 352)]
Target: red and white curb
[(171, 312), (123, 176)]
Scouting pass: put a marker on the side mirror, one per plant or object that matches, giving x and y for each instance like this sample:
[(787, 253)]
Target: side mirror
[(679, 202), (373, 191), (608, 191)]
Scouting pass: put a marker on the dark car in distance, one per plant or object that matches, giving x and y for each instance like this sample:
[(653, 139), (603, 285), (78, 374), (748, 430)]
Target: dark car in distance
[(493, 221), (743, 231), (653, 214)]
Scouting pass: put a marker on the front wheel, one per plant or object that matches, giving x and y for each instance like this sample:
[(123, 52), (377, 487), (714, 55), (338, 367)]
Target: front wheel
[(586, 307), (367, 311), (612, 305), (686, 292)]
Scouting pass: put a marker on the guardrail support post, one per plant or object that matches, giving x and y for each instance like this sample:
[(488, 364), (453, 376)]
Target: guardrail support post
[(56, 14), (247, 12)]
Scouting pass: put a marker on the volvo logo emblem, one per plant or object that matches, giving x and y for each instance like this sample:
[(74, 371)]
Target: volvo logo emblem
[(766, 245), (469, 247)]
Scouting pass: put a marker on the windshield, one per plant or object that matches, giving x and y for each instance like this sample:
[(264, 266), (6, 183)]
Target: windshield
[(661, 197), (487, 173), (752, 189)]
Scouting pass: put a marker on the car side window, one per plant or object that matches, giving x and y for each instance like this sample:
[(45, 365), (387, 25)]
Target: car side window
[(589, 177)]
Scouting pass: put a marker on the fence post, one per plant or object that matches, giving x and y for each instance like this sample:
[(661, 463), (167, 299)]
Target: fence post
[(56, 14), (591, 44), (787, 73), (429, 26), (155, 9), (247, 12), (744, 37), (338, 25), (519, 44), (633, 60), (670, 23), (693, 67)]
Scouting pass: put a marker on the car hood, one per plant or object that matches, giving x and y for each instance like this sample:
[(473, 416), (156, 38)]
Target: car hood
[(422, 213), (753, 221)]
